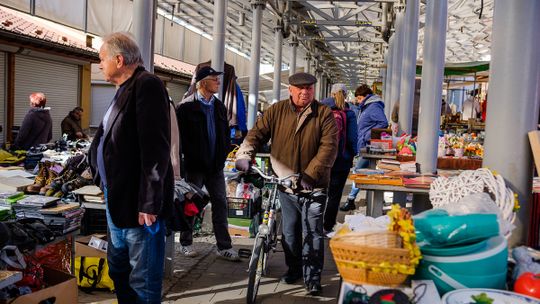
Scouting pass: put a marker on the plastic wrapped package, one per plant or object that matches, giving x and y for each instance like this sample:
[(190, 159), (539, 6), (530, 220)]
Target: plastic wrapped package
[(479, 203), (440, 229)]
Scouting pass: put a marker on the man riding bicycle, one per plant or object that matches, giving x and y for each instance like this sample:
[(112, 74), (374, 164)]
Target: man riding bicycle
[(304, 139)]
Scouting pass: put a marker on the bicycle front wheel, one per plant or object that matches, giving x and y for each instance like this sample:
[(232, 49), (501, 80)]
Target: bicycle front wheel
[(256, 269)]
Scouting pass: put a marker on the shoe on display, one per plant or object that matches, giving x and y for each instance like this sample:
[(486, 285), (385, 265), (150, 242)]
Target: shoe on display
[(314, 288), (291, 277), (348, 206), (41, 178), (228, 254), (188, 251)]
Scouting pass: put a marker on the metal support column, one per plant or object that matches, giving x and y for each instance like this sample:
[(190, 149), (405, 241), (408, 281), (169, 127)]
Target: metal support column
[(255, 52), (218, 42), (278, 47), (144, 12), (432, 79), (384, 71), (514, 76), (408, 72), (294, 46), (397, 59), (389, 71)]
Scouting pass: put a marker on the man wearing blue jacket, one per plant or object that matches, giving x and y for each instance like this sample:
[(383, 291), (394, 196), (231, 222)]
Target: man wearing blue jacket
[(371, 116)]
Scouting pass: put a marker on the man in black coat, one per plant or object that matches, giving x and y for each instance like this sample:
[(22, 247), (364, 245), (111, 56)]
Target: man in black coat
[(205, 145), (130, 160)]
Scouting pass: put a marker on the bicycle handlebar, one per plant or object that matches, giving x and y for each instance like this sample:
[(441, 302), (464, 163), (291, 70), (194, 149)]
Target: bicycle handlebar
[(284, 181)]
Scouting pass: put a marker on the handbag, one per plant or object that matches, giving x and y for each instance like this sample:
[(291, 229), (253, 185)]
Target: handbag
[(92, 274)]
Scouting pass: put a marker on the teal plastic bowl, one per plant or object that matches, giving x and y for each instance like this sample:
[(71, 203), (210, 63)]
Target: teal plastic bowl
[(490, 259), (495, 281)]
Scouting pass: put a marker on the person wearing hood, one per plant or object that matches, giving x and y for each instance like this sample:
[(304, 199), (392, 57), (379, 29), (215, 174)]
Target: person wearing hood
[(36, 127), (371, 116), (347, 149)]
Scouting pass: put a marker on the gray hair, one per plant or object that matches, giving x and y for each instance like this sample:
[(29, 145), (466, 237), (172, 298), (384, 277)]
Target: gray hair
[(121, 43)]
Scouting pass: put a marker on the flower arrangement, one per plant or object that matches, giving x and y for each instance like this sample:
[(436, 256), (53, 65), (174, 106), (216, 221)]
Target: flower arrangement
[(402, 222)]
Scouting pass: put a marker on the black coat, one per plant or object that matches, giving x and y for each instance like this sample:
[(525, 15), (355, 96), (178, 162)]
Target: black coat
[(136, 151), (194, 135), (36, 129)]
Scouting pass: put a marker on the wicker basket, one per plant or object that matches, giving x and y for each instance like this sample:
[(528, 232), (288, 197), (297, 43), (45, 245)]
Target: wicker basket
[(357, 254)]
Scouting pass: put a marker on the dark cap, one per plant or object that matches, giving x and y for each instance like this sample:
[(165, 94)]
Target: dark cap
[(204, 72), (302, 79)]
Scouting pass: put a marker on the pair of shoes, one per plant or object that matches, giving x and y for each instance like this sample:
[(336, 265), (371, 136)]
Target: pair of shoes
[(348, 206), (228, 254), (188, 251), (291, 277), (314, 288)]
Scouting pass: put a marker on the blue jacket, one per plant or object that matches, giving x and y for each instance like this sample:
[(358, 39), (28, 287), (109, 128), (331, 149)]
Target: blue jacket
[(371, 116), (345, 158)]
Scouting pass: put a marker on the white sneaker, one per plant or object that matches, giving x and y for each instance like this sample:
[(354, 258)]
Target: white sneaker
[(189, 251), (228, 254)]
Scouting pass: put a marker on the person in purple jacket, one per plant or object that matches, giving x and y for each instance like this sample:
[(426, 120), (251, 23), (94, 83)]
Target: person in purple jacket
[(371, 116), (36, 127)]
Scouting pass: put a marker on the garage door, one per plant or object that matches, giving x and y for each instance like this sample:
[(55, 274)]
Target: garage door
[(59, 81), (176, 90), (102, 95)]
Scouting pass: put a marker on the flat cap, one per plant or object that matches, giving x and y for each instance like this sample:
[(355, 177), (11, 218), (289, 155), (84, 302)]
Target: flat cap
[(302, 79)]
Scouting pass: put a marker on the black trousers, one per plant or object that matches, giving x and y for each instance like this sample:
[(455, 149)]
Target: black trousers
[(215, 184), (335, 191)]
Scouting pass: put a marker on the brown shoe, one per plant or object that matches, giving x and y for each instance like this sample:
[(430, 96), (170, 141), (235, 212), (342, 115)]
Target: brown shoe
[(50, 178), (40, 179)]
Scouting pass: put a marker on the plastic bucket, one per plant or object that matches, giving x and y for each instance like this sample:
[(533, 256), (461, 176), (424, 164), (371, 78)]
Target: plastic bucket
[(485, 268)]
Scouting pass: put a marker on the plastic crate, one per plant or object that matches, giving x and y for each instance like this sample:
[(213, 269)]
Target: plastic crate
[(238, 207)]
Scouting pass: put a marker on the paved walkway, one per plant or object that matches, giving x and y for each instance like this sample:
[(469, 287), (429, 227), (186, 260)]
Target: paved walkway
[(208, 279)]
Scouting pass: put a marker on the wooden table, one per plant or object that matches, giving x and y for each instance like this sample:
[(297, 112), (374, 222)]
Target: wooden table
[(375, 197)]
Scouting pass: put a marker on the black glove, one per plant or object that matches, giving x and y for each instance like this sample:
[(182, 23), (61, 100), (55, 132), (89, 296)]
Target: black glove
[(243, 165), (307, 182)]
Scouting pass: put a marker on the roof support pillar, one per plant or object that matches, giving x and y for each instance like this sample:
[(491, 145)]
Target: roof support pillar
[(218, 42), (408, 72), (389, 71), (397, 60), (257, 6), (144, 12), (514, 100), (292, 65), (431, 90), (278, 47)]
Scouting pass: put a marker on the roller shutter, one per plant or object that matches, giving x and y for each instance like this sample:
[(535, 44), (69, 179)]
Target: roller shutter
[(102, 95), (3, 97), (176, 91), (59, 81)]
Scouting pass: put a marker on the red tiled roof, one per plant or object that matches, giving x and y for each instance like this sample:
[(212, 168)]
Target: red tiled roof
[(22, 24), (25, 25)]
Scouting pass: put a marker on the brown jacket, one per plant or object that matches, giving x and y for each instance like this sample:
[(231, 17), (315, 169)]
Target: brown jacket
[(303, 142)]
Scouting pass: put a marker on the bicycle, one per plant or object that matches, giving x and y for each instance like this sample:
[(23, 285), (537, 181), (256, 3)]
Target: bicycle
[(266, 238)]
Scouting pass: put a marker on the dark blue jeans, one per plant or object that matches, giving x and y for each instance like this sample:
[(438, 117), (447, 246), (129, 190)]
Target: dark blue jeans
[(303, 240), (136, 257)]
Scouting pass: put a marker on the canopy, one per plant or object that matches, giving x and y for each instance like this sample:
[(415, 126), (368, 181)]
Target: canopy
[(464, 68)]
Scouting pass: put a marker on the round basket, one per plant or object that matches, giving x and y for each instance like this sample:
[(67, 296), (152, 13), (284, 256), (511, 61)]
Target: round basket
[(358, 256)]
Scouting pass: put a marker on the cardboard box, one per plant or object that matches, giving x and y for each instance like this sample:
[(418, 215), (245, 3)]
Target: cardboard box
[(82, 247), (534, 139), (62, 289)]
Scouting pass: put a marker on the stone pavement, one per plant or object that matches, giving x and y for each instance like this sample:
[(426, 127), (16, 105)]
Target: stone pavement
[(208, 279), (214, 280)]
